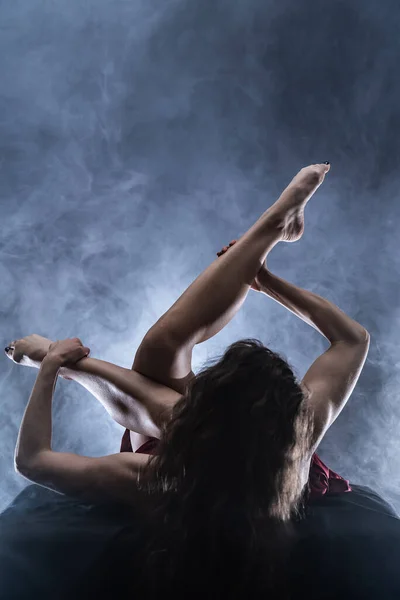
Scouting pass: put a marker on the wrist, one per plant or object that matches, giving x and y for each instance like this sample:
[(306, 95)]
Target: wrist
[(77, 371), (51, 363)]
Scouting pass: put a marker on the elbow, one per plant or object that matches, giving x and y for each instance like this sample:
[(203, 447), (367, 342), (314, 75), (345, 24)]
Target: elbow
[(27, 472), (356, 335), (24, 467), (18, 463), (359, 336), (20, 467), (23, 471), (364, 336)]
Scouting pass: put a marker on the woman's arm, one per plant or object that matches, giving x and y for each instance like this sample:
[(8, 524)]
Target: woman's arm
[(112, 478), (35, 431), (108, 478), (332, 378), (318, 312)]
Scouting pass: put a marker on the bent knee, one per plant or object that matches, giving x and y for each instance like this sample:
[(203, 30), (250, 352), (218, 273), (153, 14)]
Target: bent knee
[(165, 339), (163, 359), (157, 343)]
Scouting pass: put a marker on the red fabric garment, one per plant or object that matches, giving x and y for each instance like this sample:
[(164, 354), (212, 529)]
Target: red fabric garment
[(148, 448), (322, 479)]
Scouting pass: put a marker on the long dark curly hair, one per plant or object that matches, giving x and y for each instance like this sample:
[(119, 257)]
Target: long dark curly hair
[(228, 480)]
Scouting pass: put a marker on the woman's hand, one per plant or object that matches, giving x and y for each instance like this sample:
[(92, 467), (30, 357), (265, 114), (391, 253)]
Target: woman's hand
[(67, 352)]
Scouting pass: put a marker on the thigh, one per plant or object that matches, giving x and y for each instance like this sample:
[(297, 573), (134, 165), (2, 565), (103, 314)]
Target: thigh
[(165, 361)]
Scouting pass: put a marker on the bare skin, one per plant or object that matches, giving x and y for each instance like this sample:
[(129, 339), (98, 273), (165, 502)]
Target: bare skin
[(132, 400), (165, 354), (29, 351), (214, 298), (207, 306), (255, 285)]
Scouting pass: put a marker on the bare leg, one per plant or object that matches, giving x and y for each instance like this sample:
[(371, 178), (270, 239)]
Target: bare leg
[(133, 401), (213, 299), (203, 310)]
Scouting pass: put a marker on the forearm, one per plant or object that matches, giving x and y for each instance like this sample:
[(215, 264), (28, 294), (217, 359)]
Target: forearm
[(318, 312), (35, 431)]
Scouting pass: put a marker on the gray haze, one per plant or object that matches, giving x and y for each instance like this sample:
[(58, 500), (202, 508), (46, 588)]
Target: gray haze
[(137, 137)]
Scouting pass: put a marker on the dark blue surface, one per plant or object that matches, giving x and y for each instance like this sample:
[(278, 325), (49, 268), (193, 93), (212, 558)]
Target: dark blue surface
[(349, 548), (54, 547), (48, 541)]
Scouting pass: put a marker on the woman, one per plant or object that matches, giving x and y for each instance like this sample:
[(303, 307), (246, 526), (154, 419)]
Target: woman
[(237, 441)]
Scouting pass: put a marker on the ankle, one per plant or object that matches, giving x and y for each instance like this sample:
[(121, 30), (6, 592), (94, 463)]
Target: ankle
[(275, 220)]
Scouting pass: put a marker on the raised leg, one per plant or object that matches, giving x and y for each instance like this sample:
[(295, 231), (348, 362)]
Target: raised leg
[(214, 298), (133, 401), (206, 306)]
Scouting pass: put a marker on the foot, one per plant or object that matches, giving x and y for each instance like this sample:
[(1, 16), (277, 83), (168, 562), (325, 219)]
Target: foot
[(289, 208), (28, 351), (255, 285)]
